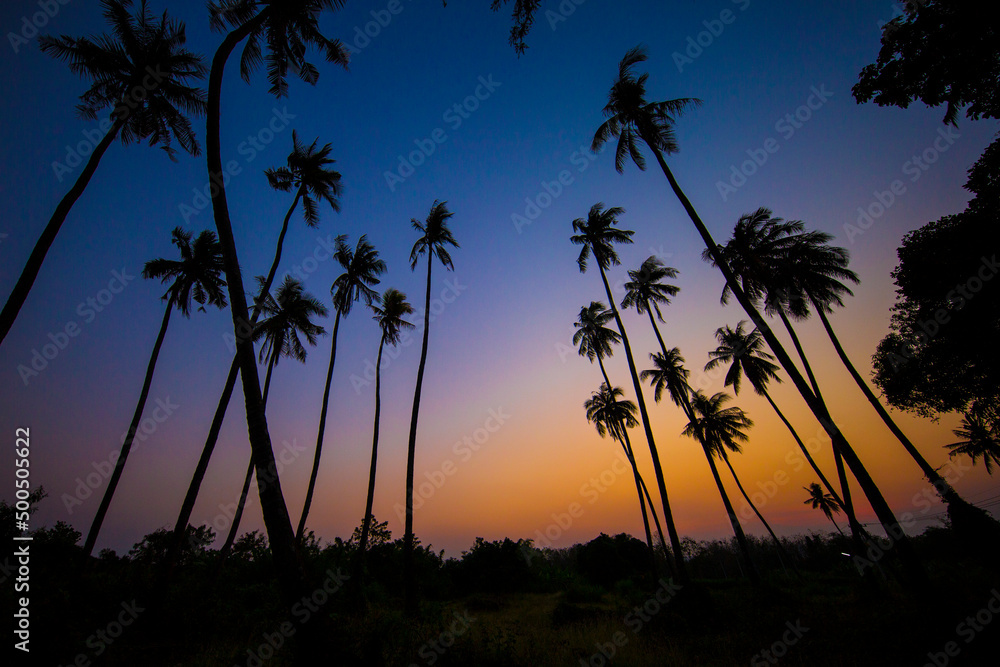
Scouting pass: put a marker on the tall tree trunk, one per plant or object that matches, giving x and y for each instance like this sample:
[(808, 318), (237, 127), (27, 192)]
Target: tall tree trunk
[(187, 507), (276, 519), (409, 576), (300, 532), (917, 575), (95, 527), (234, 529), (668, 516), (366, 526), (741, 537), (638, 487), (782, 554), (34, 264), (798, 440)]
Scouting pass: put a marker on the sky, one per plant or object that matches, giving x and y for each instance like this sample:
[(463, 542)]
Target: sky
[(503, 447)]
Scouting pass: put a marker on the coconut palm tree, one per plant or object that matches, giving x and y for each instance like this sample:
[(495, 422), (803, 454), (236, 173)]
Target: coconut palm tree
[(277, 33), (390, 320), (195, 277), (287, 315), (593, 339), (433, 242), (362, 267), (310, 174), (611, 414), (825, 502), (744, 352), (598, 234), (646, 291), (979, 439), (633, 120), (121, 66)]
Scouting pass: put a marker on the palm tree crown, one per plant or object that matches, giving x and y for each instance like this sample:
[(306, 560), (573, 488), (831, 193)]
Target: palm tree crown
[(196, 276), (821, 500), (286, 315), (394, 307), (435, 236), (141, 54), (979, 439), (290, 26), (309, 172), (592, 336), (609, 412), (646, 288), (630, 118), (362, 267), (722, 428), (746, 356), (669, 373), (598, 235)]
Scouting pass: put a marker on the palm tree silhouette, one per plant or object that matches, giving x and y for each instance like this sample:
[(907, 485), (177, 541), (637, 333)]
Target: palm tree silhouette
[(390, 320), (668, 373), (979, 439), (196, 277), (119, 64), (310, 173), (598, 235), (632, 119), (287, 315), (610, 414), (757, 252), (435, 235), (745, 354), (825, 502), (362, 267), (646, 292), (287, 27)]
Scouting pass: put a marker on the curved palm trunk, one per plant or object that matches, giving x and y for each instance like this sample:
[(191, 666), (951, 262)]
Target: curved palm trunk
[(187, 507), (234, 529), (798, 440), (300, 532), (668, 516), (366, 526), (638, 487), (830, 517), (34, 264), (858, 533), (741, 537), (409, 579), (95, 527), (782, 554), (276, 519), (914, 566)]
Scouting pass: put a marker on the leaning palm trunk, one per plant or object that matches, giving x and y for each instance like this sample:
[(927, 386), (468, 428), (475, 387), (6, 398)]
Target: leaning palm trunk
[(187, 507), (668, 516), (741, 537), (241, 505), (34, 264), (638, 488), (95, 527), (370, 500), (909, 558), (300, 532), (275, 512), (409, 576), (782, 554)]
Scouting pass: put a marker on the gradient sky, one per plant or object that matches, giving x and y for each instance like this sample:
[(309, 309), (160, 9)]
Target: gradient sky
[(502, 345)]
